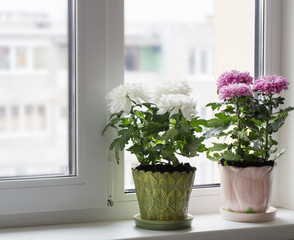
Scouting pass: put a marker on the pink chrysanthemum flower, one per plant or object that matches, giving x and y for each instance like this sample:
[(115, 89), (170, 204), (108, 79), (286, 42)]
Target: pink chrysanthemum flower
[(233, 77), (270, 84), (235, 89)]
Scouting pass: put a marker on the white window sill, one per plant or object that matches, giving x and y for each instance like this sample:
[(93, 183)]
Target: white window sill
[(204, 226)]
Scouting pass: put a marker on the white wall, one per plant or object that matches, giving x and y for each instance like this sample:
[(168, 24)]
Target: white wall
[(234, 36), (287, 132)]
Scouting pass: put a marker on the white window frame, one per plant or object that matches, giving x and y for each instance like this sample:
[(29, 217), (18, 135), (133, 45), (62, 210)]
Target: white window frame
[(84, 197)]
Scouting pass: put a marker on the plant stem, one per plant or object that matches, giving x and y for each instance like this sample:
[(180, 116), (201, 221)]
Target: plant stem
[(266, 141), (266, 129), (238, 123)]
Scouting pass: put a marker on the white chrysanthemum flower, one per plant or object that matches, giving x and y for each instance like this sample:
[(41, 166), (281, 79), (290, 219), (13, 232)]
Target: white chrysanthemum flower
[(176, 102), (170, 87), (122, 98)]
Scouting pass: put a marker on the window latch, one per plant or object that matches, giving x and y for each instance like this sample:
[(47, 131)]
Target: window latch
[(109, 201)]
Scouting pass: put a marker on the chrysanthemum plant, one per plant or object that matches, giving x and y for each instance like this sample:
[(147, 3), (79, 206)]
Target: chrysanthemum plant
[(246, 119), (157, 131)]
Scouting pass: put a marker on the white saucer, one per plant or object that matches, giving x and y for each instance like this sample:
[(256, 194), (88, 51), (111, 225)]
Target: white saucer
[(269, 215)]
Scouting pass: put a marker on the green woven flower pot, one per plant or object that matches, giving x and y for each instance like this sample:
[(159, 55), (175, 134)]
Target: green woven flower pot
[(163, 197)]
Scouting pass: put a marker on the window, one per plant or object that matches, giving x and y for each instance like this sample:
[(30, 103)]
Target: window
[(21, 57), (15, 117), (42, 103), (99, 38), (3, 116), (204, 75), (4, 58), (40, 56)]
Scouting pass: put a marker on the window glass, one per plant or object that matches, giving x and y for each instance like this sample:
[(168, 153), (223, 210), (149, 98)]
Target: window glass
[(195, 40), (21, 57), (3, 117), (40, 57), (14, 118), (29, 118), (4, 58), (33, 135), (41, 116)]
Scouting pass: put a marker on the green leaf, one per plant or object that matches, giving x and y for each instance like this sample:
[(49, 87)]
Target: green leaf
[(197, 122), (136, 149), (218, 122), (215, 157), (215, 131), (214, 105), (105, 129), (118, 115), (229, 156), (243, 135), (148, 105), (118, 145), (280, 154), (126, 121), (170, 134), (218, 147), (222, 116), (116, 151), (191, 148), (168, 154), (256, 157), (277, 123), (286, 110)]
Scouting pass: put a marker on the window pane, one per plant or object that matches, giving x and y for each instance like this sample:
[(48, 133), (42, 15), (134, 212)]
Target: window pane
[(187, 39), (4, 58), (21, 57), (40, 57), (34, 88), (14, 119), (3, 117)]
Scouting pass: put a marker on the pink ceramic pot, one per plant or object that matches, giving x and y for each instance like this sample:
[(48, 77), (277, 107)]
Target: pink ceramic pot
[(246, 189)]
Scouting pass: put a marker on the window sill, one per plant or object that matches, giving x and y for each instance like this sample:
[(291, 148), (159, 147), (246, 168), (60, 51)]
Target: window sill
[(204, 226)]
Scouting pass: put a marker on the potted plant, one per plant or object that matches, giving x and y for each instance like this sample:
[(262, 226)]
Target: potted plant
[(246, 120), (158, 127)]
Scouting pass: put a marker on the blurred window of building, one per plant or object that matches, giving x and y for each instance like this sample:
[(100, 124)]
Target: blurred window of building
[(204, 62), (142, 58), (41, 116), (29, 118), (40, 56), (3, 118), (21, 57), (14, 119), (4, 58), (192, 61)]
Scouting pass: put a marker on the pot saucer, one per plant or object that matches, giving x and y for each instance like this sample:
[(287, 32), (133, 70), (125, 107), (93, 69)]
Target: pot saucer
[(269, 215), (163, 225)]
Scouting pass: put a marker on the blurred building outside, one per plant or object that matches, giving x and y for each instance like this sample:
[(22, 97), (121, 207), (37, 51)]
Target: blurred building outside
[(33, 94)]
